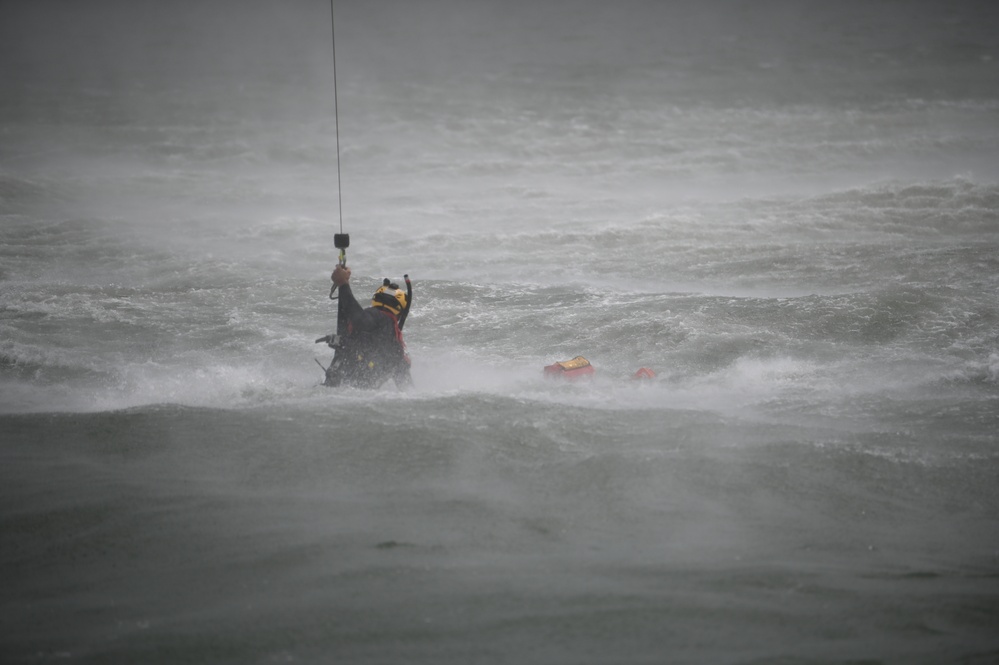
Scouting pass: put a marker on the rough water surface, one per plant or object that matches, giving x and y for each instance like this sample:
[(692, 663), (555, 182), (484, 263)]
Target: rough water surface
[(788, 210)]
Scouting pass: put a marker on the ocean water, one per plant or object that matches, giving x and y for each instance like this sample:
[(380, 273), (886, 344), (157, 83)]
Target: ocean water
[(788, 210)]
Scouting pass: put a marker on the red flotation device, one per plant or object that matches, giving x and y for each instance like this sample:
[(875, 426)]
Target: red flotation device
[(643, 373), (577, 368)]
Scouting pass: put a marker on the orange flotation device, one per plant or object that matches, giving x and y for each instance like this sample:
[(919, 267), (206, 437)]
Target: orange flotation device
[(577, 368)]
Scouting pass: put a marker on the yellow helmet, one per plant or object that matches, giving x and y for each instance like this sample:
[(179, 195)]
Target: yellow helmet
[(390, 296)]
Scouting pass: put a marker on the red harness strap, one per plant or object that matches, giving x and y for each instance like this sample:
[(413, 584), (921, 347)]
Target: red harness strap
[(398, 333)]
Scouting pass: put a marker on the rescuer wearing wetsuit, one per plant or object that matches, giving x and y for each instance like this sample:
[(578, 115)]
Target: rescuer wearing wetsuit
[(371, 349)]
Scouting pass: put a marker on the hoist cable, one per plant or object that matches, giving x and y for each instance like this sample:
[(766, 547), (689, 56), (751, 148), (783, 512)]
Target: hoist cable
[(336, 116)]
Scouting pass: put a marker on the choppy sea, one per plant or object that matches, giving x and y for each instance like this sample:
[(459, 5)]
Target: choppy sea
[(788, 210)]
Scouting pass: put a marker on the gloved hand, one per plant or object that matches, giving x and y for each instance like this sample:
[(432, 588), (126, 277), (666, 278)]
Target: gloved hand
[(341, 275)]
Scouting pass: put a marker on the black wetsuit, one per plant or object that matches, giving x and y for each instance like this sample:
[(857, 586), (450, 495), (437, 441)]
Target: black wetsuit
[(371, 349)]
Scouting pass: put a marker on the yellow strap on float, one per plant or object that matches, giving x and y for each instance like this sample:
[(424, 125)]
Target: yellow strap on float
[(575, 363)]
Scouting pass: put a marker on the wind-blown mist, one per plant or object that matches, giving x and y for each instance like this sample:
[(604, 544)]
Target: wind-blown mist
[(787, 210)]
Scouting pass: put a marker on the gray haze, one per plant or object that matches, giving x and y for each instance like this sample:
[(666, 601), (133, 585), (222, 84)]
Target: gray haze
[(788, 210)]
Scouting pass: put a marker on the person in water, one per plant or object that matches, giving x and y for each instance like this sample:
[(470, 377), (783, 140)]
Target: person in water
[(369, 349)]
